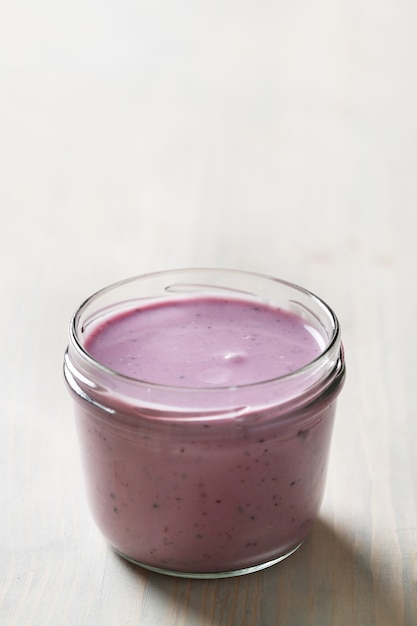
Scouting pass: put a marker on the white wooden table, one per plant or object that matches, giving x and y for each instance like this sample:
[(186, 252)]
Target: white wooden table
[(278, 137)]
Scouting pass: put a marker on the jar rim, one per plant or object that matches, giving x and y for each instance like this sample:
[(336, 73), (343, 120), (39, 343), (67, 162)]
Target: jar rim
[(332, 345)]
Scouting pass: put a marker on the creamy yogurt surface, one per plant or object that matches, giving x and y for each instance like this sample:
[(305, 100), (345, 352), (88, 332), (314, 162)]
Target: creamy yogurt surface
[(204, 342)]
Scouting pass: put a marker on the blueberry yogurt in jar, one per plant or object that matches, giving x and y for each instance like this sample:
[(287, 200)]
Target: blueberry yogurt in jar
[(204, 402)]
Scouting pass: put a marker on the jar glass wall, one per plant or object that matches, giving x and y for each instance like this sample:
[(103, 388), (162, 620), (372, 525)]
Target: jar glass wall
[(205, 480)]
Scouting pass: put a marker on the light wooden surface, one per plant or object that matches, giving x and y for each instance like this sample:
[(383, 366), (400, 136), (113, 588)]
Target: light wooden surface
[(278, 137)]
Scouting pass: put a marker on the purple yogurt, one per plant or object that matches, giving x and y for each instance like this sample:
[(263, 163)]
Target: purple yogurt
[(204, 402)]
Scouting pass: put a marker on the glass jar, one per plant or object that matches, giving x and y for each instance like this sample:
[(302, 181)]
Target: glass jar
[(204, 481)]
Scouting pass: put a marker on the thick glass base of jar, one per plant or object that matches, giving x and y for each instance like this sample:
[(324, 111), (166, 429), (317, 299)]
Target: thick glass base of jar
[(210, 575)]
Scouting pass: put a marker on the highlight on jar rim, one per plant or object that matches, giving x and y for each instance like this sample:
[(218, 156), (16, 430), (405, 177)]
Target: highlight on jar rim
[(204, 401)]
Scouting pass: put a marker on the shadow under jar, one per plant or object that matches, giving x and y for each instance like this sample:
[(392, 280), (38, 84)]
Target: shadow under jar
[(204, 403)]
